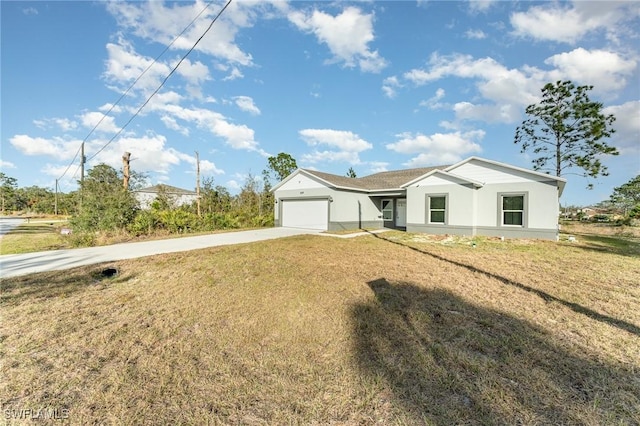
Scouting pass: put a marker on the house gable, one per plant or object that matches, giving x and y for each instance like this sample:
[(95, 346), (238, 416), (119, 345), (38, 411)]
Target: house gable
[(299, 180), (440, 177), (493, 172)]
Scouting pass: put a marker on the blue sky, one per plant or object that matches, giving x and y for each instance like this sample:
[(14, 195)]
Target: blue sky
[(370, 85)]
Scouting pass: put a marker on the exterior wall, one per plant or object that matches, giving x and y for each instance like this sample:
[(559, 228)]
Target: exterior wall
[(146, 198), (347, 210), (477, 211), (541, 210)]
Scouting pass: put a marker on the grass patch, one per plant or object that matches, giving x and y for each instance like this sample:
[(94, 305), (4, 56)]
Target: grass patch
[(387, 329), (34, 236)]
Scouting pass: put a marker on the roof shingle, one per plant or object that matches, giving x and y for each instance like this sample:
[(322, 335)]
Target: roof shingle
[(383, 180)]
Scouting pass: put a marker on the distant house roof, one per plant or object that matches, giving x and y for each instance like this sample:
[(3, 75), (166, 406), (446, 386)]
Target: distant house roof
[(378, 181), (167, 189)]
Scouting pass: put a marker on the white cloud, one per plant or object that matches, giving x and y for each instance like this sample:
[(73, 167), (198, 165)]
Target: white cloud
[(475, 34), (63, 124), (172, 124), (6, 164), (116, 109), (124, 66), (606, 70), (434, 101), (160, 22), (233, 75), (238, 136), (107, 123), (209, 167), (245, 103), (348, 145), (570, 23), (438, 148), (505, 92), (390, 86), (490, 113), (378, 166), (627, 125), (347, 35), (343, 140), (194, 72), (56, 147), (481, 5), (30, 11)]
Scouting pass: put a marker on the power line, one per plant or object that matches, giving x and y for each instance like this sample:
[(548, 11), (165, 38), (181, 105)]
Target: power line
[(104, 115), (163, 81)]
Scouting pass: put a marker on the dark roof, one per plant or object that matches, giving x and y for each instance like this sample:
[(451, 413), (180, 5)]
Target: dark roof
[(166, 188), (383, 180)]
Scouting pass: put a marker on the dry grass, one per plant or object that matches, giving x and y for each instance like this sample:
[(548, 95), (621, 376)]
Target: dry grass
[(388, 329)]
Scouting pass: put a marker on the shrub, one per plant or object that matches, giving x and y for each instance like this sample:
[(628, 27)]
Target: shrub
[(144, 223), (178, 221)]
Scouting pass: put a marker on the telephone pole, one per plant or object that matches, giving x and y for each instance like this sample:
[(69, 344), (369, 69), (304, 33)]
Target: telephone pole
[(198, 182), (82, 160), (55, 205), (126, 158)]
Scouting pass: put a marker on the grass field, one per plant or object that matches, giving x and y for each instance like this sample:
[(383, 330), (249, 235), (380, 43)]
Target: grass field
[(392, 328)]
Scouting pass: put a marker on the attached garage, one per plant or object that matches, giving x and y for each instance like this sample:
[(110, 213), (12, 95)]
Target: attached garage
[(305, 213)]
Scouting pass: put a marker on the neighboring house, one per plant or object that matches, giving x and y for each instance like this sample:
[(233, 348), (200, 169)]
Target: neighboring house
[(473, 197), (178, 196)]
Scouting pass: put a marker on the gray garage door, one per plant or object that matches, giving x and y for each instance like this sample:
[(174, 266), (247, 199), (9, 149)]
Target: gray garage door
[(310, 214)]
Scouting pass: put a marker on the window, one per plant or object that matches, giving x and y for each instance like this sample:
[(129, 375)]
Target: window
[(513, 210), (437, 206), (387, 210)]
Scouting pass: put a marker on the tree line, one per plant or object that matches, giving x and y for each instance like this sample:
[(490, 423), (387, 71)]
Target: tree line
[(101, 202)]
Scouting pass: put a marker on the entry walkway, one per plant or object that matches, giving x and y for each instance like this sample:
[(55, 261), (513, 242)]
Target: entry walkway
[(12, 265)]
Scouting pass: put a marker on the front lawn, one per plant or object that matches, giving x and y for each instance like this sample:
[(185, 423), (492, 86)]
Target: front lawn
[(392, 328)]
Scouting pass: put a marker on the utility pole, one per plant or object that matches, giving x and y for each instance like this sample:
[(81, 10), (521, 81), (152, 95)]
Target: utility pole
[(55, 205), (126, 158), (82, 161), (198, 182)]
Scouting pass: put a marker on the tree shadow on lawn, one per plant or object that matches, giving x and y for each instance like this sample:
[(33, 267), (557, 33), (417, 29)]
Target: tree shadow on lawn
[(623, 246), (33, 229), (15, 290), (621, 324), (446, 361)]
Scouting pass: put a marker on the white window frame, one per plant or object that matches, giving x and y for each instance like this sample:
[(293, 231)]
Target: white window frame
[(383, 210), (445, 210), (524, 211)]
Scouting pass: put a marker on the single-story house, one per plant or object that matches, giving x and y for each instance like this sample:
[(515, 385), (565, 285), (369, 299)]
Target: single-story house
[(178, 196), (473, 197)]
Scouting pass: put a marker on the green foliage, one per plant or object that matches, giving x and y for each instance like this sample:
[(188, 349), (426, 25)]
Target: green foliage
[(36, 199), (635, 212), (82, 239), (145, 223), (351, 173), (178, 221), (164, 200), (627, 195), (105, 204), (279, 167), (567, 130), (8, 186)]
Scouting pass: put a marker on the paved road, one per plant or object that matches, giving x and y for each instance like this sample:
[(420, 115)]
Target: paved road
[(21, 264), (8, 223)]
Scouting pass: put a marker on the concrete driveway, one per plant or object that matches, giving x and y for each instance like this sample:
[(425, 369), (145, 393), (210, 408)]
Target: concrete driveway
[(12, 265), (7, 223)]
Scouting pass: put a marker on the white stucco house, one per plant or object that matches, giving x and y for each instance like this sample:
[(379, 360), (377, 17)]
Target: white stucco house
[(178, 196), (473, 197)]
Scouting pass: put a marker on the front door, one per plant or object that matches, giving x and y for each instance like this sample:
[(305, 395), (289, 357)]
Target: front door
[(401, 212)]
